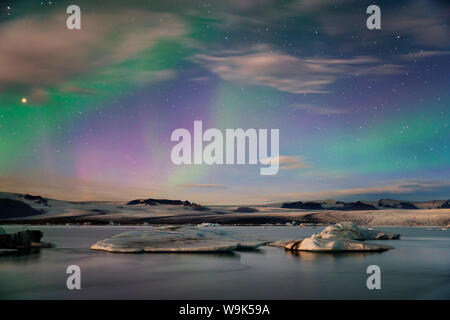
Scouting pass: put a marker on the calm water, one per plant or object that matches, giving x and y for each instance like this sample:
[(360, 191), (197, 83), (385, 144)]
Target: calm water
[(418, 268)]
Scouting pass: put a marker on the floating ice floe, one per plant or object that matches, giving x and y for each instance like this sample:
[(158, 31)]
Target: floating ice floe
[(207, 224), (177, 239), (333, 245), (348, 230), (342, 236), (281, 243)]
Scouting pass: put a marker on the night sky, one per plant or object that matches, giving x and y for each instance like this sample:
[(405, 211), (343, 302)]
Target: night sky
[(88, 114)]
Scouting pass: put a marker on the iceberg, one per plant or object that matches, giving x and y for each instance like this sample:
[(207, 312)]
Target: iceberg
[(333, 245), (370, 234), (344, 236), (281, 243), (177, 239), (348, 230)]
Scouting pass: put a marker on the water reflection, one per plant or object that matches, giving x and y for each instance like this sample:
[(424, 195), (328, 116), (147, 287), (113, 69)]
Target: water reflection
[(23, 256), (268, 273), (250, 251), (224, 254), (311, 256)]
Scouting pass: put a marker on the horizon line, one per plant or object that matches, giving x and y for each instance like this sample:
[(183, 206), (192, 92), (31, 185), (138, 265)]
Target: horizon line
[(213, 204)]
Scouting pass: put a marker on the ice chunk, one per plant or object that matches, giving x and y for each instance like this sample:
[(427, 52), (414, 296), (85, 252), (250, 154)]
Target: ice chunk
[(281, 243), (164, 245), (180, 239), (371, 234), (342, 236), (207, 224), (348, 230), (333, 245), (344, 230)]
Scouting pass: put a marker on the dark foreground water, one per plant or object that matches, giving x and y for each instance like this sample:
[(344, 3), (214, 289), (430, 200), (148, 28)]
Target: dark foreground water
[(418, 268)]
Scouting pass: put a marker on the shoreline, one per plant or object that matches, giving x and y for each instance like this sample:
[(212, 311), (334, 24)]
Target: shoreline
[(270, 216), (36, 210), (76, 224)]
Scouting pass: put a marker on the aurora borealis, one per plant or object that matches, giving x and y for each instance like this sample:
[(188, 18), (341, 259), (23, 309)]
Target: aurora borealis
[(87, 114)]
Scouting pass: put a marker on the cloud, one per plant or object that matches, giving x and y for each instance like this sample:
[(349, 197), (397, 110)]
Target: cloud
[(408, 188), (201, 79), (247, 5), (423, 21), (37, 96), (396, 188), (248, 14), (288, 162), (418, 24), (78, 90), (42, 51), (292, 162), (424, 54), (67, 188), (313, 6), (202, 186), (261, 65), (317, 110), (141, 76)]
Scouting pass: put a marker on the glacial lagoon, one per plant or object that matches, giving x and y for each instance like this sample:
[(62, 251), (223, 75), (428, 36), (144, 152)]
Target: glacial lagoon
[(418, 268)]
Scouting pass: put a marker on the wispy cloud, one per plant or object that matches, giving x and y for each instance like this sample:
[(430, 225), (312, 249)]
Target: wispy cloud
[(288, 162), (424, 54), (34, 51), (78, 90), (66, 188), (423, 21), (396, 188), (317, 110), (261, 65), (310, 6), (202, 186)]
